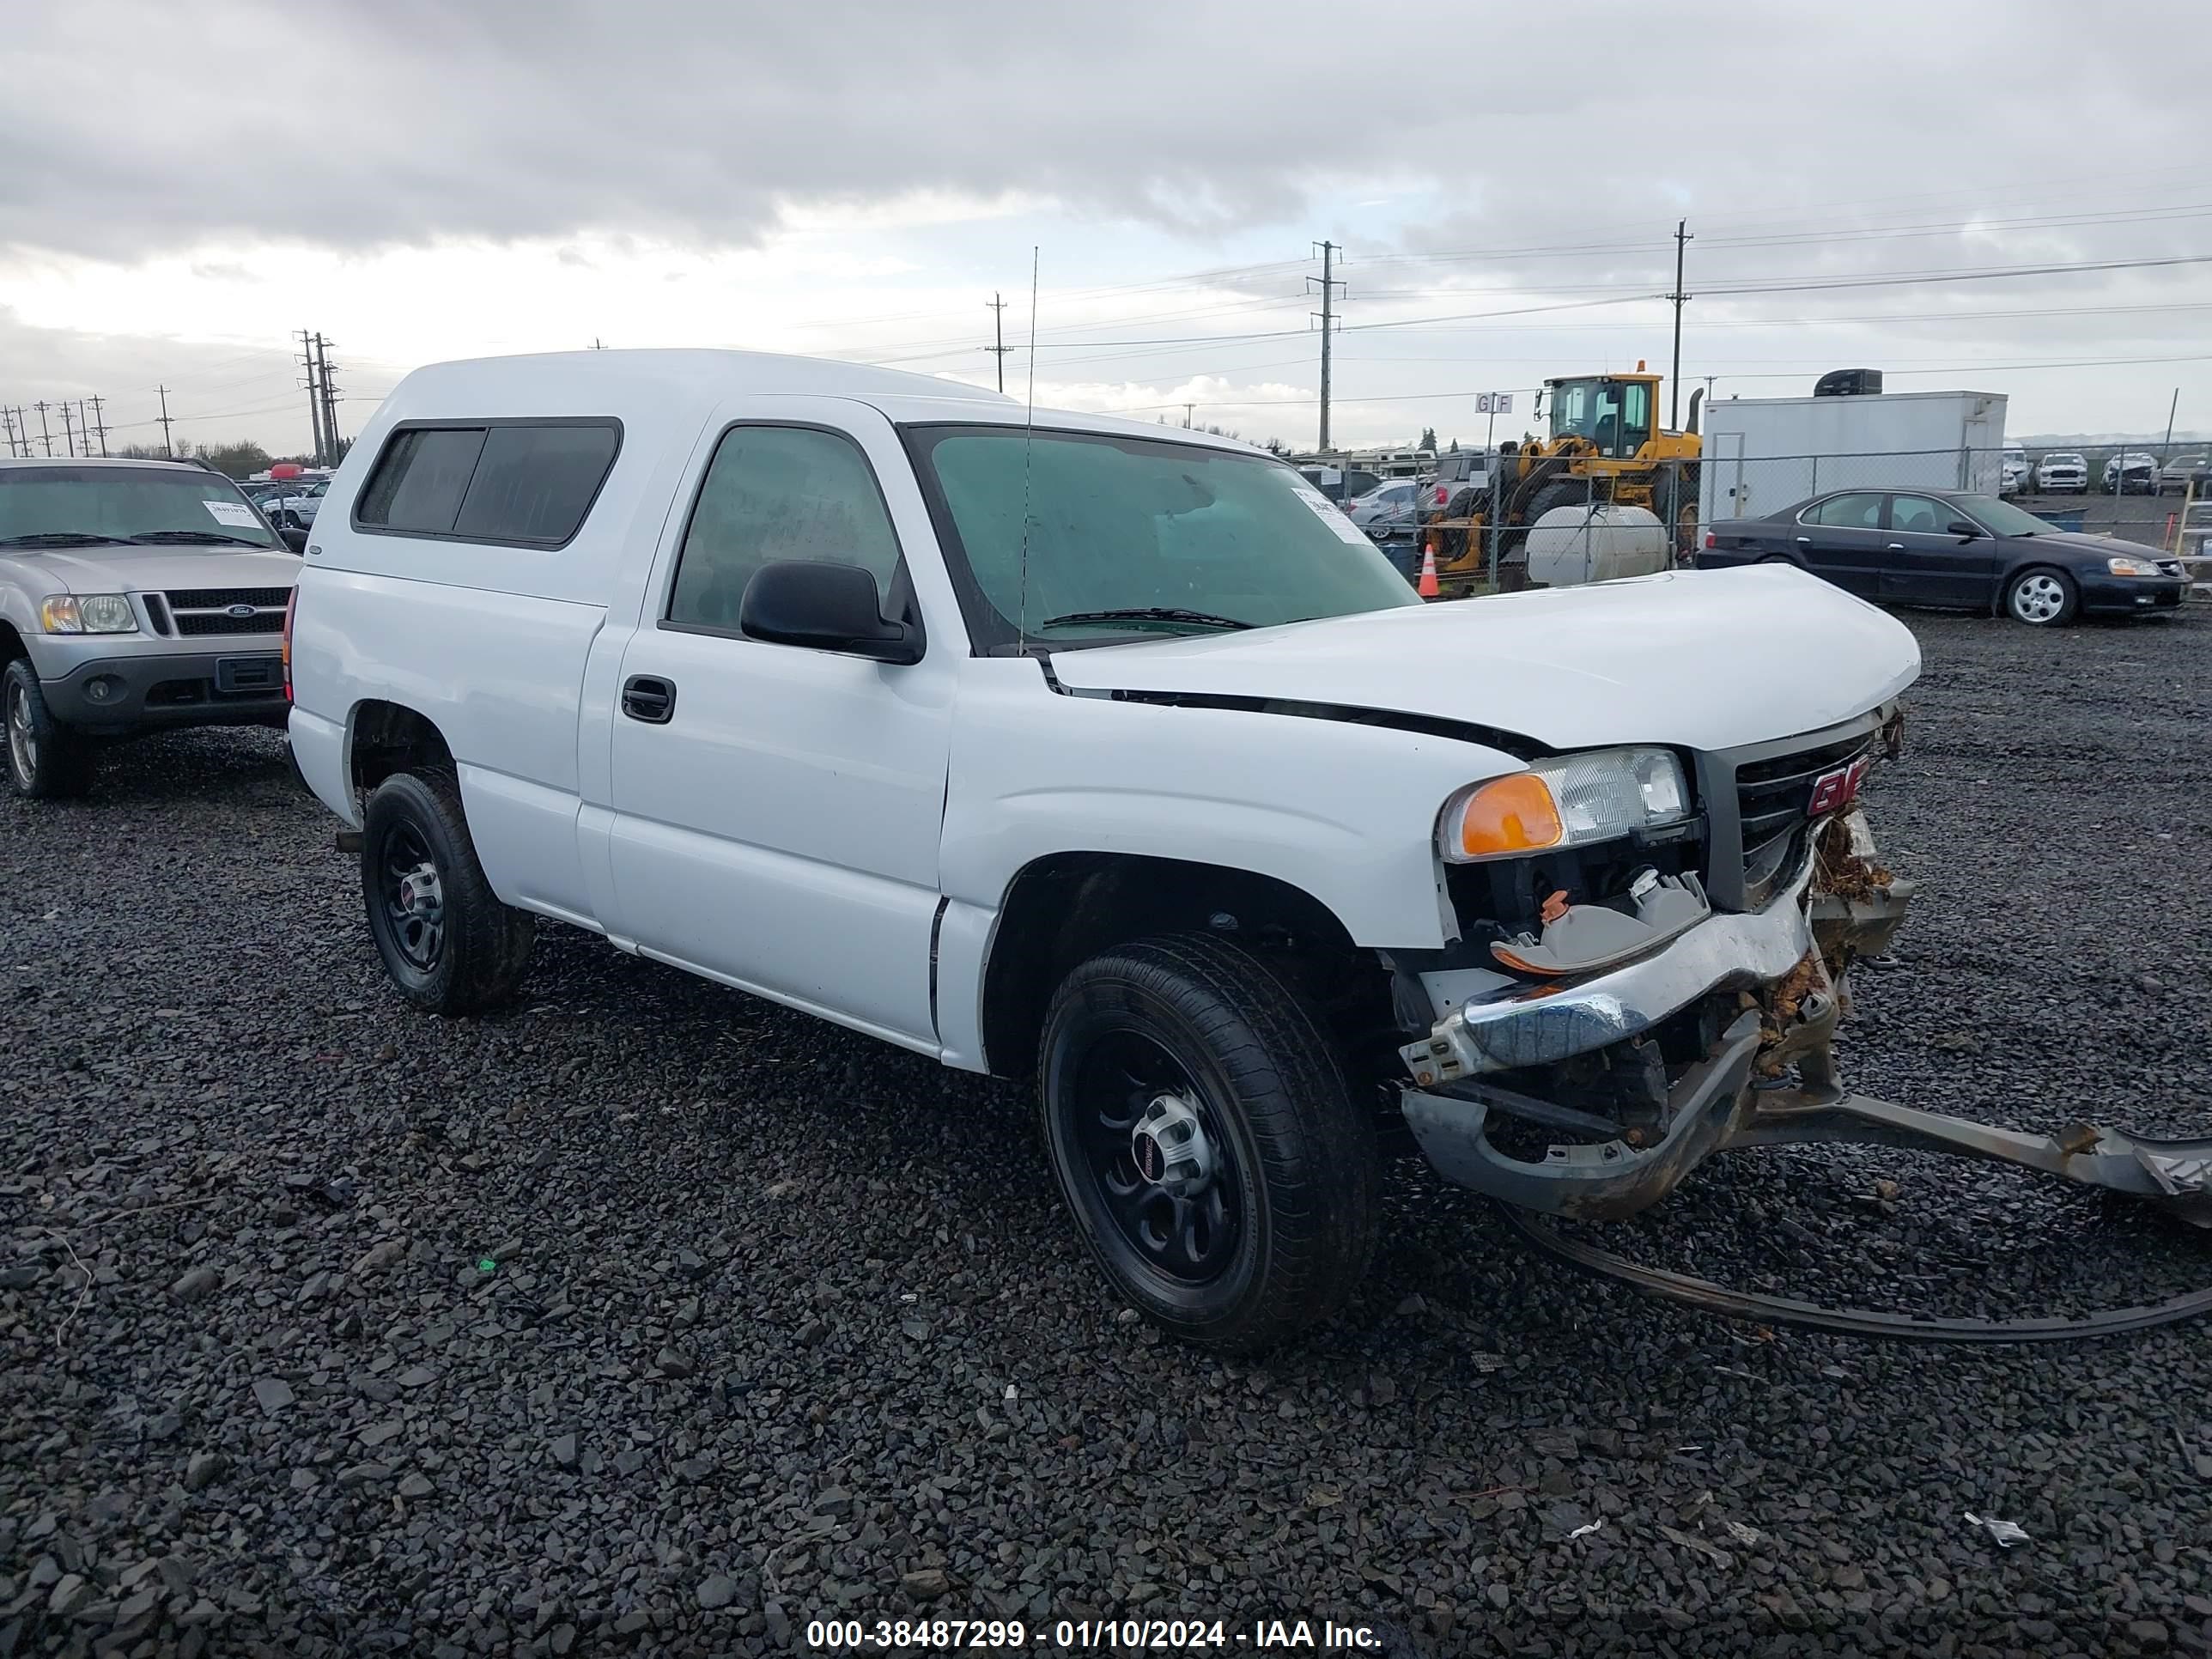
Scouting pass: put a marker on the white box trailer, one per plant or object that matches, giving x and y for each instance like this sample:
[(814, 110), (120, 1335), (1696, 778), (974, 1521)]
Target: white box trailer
[(1761, 455)]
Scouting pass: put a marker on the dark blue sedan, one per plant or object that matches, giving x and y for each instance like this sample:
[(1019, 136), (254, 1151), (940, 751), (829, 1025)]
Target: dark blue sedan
[(1963, 551)]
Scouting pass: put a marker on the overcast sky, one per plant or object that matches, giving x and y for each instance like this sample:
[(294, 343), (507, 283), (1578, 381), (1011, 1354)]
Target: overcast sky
[(189, 185)]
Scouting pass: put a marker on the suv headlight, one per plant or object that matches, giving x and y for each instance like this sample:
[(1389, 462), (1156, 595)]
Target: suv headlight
[(88, 613), (1564, 801), (2122, 565)]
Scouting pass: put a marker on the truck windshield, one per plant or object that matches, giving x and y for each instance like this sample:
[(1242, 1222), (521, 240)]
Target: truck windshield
[(59, 505), (1131, 535)]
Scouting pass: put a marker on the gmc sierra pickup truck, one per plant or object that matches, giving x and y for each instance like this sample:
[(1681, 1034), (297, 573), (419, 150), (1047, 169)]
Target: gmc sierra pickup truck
[(1061, 747)]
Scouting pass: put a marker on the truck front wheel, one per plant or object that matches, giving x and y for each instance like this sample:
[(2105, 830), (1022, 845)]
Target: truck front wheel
[(45, 760), (447, 942), (1201, 1129)]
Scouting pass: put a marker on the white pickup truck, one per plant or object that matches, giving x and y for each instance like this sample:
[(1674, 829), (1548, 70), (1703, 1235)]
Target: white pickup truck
[(1059, 746)]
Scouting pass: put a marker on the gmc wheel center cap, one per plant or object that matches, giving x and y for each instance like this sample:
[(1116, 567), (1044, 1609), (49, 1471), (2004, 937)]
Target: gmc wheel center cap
[(1170, 1147)]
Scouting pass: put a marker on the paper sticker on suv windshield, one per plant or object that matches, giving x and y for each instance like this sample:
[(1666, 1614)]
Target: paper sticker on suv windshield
[(237, 515), (1327, 512)]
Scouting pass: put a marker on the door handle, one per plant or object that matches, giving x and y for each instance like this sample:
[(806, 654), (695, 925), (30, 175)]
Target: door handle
[(1894, 547), (1804, 541), (649, 698)]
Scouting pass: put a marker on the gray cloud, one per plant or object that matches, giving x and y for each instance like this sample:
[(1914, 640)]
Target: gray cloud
[(139, 126)]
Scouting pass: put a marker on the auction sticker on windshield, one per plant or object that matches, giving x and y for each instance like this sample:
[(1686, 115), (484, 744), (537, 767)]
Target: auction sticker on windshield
[(237, 515), (1327, 512)]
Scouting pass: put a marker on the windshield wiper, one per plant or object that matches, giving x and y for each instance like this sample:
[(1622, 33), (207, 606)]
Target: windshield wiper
[(1166, 613), (56, 538), (196, 538)]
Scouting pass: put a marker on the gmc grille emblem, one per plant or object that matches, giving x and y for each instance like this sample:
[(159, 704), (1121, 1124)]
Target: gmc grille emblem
[(1833, 790)]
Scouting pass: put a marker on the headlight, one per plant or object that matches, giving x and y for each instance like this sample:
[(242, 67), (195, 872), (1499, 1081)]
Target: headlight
[(1564, 801), (2123, 566), (88, 613)]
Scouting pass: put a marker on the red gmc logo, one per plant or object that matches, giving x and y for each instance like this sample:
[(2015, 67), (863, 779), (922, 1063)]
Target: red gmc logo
[(1832, 790)]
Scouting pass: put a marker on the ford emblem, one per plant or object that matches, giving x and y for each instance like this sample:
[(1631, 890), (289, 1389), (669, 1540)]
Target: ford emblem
[(240, 611)]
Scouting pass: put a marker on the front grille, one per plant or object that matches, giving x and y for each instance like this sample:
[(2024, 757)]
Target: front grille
[(214, 599), (1772, 796), (216, 622)]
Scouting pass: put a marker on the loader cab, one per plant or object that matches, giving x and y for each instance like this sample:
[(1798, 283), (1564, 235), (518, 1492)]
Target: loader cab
[(1615, 413)]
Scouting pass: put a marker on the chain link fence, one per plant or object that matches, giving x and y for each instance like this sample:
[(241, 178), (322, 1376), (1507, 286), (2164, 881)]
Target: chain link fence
[(1515, 518)]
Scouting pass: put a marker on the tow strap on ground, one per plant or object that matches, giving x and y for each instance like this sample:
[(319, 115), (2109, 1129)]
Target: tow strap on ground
[(1708, 1298)]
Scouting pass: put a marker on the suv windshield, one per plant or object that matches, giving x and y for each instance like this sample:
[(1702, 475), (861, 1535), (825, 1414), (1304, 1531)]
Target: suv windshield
[(1173, 538), (186, 505)]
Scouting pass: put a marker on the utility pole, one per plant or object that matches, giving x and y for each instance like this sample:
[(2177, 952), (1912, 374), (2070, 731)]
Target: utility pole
[(1330, 285), (330, 400), (46, 432), (69, 432), (1682, 238), (8, 419), (314, 393), (99, 426), (165, 443), (2167, 448), (998, 346), (1187, 412)]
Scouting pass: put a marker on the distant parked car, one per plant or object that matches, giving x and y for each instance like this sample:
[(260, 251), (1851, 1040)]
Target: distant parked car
[(2131, 474), (2061, 472), (2013, 471), (2179, 474), (292, 507), (1969, 552), (1386, 512)]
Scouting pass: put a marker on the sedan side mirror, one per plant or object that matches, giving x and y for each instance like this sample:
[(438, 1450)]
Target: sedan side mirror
[(293, 538), (830, 607), (1965, 532)]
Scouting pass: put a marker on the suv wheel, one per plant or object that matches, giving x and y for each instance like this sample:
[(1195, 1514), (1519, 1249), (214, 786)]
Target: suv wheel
[(447, 942), (46, 761), (1203, 1136)]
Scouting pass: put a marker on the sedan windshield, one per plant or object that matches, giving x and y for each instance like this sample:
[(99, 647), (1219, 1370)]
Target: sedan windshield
[(2002, 518), (85, 504), (1081, 538)]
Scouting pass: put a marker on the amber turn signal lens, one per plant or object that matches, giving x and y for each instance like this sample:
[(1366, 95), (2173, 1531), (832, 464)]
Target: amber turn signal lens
[(1513, 814)]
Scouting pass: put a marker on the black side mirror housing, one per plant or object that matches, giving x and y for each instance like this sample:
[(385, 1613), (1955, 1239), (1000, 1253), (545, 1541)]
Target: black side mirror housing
[(293, 538), (1963, 531), (830, 607)]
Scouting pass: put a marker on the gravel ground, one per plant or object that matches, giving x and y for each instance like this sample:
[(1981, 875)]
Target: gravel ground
[(650, 1318)]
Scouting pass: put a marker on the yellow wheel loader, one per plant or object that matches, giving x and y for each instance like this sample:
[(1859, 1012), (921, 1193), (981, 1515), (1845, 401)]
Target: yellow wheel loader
[(1605, 443)]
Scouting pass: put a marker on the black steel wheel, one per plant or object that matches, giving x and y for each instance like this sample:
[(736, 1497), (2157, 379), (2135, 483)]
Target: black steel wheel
[(46, 761), (1201, 1132), (446, 939)]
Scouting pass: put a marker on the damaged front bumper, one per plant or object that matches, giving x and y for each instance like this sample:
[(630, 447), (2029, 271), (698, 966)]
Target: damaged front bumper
[(1773, 985)]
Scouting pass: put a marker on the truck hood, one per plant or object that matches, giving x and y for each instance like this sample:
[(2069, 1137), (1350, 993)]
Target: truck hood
[(1701, 659), (121, 567)]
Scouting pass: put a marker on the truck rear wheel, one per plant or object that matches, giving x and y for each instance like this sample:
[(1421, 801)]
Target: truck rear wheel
[(1201, 1132), (46, 761), (447, 941)]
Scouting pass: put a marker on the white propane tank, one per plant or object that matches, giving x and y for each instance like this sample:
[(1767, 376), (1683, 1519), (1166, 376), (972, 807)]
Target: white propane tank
[(1571, 545)]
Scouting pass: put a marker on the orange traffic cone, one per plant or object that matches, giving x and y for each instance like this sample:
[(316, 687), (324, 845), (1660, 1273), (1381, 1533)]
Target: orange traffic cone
[(1426, 587)]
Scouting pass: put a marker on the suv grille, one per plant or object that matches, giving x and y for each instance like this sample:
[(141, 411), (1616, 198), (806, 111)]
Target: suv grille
[(204, 611), (214, 599)]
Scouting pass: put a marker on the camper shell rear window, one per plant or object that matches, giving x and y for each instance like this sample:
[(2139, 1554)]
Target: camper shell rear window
[(526, 483)]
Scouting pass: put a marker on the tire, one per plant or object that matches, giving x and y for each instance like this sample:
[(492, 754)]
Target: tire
[(1186, 1031), (2041, 597), (452, 948), (46, 761)]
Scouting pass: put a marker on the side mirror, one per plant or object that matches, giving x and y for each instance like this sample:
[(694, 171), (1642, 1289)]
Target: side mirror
[(1963, 531), (293, 538), (831, 607)]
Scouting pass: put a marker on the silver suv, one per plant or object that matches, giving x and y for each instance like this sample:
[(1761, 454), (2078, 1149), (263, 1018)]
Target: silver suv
[(134, 595)]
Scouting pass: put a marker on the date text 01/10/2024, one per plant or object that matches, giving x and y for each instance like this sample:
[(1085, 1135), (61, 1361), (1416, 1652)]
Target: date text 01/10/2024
[(1082, 1635)]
